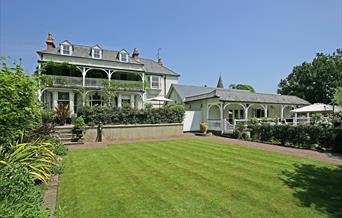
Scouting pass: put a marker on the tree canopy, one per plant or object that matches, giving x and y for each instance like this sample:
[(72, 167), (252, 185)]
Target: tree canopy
[(242, 87), (316, 81)]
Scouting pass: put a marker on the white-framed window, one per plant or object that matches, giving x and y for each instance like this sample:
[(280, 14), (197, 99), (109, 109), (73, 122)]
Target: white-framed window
[(96, 53), (66, 49), (123, 56), (155, 82)]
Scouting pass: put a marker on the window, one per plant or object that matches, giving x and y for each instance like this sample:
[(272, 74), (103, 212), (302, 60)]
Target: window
[(63, 98), (97, 53), (123, 57), (96, 99), (260, 113), (154, 82), (66, 49)]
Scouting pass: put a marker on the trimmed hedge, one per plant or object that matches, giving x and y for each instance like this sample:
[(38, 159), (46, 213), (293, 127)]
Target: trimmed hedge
[(304, 136), (108, 115)]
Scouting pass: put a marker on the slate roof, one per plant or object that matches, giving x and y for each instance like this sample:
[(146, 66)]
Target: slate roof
[(153, 67), (192, 93), (185, 91), (82, 51)]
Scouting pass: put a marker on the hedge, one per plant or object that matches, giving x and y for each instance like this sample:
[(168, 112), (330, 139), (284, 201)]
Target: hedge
[(109, 115), (304, 136)]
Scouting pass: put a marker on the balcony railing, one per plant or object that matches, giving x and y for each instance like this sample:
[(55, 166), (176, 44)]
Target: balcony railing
[(50, 80), (69, 81)]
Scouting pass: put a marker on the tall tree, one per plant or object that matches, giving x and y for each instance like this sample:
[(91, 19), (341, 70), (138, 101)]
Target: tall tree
[(242, 87), (315, 81)]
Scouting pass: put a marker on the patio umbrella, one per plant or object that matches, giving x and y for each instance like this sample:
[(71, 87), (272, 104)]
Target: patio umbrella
[(317, 108), (160, 99)]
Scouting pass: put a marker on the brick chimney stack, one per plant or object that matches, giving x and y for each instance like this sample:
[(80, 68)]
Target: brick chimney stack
[(135, 54), (50, 42)]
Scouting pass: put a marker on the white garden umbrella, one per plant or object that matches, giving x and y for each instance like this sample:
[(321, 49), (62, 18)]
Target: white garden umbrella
[(160, 99), (318, 108)]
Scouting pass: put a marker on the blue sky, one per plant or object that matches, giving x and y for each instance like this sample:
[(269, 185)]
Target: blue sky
[(250, 42)]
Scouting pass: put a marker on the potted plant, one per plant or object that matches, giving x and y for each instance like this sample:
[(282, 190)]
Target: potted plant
[(79, 127), (61, 113), (203, 130)]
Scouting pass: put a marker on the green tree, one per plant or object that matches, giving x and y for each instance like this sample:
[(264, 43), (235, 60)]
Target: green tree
[(315, 81), (338, 96), (19, 105), (242, 87)]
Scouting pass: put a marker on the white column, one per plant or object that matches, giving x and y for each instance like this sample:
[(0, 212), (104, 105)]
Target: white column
[(54, 99), (282, 113), (295, 119), (132, 101), (221, 116), (266, 110), (84, 72), (246, 115), (207, 112), (308, 118), (71, 102), (119, 101)]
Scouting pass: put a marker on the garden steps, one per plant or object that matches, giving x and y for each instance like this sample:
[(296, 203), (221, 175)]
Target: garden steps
[(66, 135)]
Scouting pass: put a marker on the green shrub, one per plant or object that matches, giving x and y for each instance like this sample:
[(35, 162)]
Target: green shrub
[(107, 115), (19, 196), (37, 156), (59, 148), (79, 123), (19, 105), (304, 136), (47, 116)]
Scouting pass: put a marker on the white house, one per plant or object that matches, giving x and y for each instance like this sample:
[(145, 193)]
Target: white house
[(221, 108), (136, 79)]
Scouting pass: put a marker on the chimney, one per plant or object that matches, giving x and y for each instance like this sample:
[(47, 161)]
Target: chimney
[(160, 61), (49, 42), (135, 54)]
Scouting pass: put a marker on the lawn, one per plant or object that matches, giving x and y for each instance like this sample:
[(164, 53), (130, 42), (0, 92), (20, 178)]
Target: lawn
[(196, 178)]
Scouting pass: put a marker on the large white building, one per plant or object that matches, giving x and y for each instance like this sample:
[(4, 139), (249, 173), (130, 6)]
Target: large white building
[(78, 76)]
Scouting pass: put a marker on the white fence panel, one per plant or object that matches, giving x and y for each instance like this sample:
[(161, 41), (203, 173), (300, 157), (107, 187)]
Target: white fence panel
[(192, 120)]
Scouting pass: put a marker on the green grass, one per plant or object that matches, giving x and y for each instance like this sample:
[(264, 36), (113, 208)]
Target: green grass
[(196, 178)]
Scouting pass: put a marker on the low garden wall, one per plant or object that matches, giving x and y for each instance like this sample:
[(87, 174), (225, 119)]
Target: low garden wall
[(134, 132)]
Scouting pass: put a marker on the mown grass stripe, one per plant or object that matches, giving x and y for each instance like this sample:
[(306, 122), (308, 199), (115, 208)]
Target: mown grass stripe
[(140, 160), (210, 178)]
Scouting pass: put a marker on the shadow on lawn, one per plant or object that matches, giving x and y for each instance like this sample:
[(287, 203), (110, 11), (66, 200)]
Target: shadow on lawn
[(316, 186)]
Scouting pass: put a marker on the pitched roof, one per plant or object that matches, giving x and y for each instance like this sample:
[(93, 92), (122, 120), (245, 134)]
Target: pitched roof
[(83, 51), (233, 95), (185, 91), (153, 67)]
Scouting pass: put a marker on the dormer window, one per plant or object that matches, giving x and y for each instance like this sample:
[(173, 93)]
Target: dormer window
[(96, 53), (66, 48), (123, 56)]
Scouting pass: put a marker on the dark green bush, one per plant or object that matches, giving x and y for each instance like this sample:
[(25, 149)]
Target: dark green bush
[(304, 136), (107, 115), (19, 196)]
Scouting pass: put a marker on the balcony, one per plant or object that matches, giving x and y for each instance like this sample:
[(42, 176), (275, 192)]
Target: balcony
[(69, 81)]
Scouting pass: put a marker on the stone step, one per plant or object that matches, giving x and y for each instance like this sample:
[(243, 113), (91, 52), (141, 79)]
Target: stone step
[(66, 135), (73, 143), (63, 130)]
